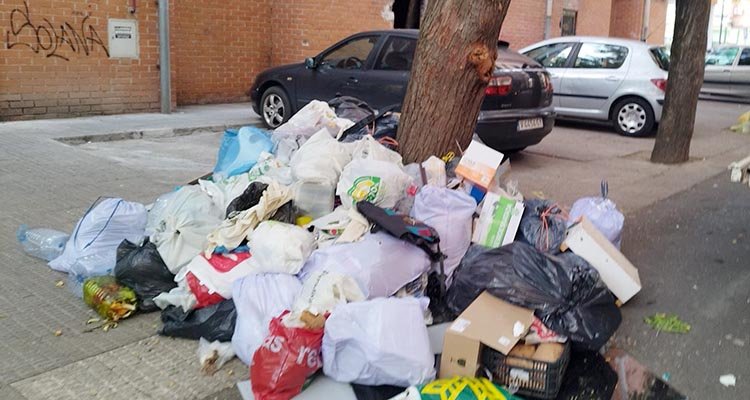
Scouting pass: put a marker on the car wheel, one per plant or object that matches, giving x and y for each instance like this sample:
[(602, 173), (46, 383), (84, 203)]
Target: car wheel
[(633, 117), (275, 108)]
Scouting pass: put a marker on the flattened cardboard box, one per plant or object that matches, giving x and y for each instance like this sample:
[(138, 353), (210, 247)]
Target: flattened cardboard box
[(620, 276), (488, 321)]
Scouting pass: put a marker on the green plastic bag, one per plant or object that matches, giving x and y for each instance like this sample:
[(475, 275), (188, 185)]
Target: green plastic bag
[(458, 388), (108, 298)]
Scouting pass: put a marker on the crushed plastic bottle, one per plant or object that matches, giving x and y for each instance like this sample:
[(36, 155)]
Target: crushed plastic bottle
[(43, 243)]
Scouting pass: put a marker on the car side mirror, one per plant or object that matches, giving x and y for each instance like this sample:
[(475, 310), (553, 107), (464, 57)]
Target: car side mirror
[(310, 63)]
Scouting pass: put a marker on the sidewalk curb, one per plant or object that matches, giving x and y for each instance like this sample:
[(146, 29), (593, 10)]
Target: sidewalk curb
[(147, 134)]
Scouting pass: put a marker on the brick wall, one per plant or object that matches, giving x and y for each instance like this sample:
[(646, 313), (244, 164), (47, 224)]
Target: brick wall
[(217, 48), (45, 71), (593, 17), (627, 20), (303, 28), (524, 23)]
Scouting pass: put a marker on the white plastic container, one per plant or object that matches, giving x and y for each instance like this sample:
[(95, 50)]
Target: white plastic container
[(314, 199)]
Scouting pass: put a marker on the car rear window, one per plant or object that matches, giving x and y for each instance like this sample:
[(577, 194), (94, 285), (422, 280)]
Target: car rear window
[(661, 57)]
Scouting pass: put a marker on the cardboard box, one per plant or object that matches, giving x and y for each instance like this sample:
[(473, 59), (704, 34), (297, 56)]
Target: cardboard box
[(621, 277), (479, 164), (488, 321), (498, 222)]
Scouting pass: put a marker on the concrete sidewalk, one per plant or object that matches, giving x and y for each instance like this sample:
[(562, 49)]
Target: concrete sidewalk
[(50, 183), (184, 120), (47, 183)]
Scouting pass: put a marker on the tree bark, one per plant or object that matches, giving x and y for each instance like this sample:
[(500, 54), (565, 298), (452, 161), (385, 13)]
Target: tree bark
[(453, 63), (685, 80)]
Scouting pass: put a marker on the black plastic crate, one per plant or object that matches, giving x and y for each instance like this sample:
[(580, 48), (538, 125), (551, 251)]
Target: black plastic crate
[(531, 378)]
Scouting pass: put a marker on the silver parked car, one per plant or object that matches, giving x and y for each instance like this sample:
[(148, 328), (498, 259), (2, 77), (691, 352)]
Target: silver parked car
[(607, 79), (727, 73)]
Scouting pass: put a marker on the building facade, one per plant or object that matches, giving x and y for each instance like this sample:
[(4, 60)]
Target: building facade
[(64, 58)]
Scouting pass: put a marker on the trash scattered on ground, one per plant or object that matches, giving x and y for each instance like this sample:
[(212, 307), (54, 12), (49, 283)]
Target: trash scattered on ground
[(60, 283), (213, 355), (667, 323), (728, 380), (108, 298), (312, 250), (43, 243), (58, 332)]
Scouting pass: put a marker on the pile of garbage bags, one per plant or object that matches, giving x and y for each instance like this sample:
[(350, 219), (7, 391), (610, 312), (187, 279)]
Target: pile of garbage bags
[(313, 247)]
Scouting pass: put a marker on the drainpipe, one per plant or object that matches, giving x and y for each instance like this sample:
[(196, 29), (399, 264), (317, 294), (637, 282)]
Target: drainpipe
[(164, 65), (548, 20), (646, 19)]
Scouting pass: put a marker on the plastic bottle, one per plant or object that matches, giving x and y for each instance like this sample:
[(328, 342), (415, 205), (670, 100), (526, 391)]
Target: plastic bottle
[(43, 243), (314, 199)]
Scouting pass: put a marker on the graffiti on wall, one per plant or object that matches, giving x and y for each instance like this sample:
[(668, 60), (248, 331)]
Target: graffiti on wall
[(42, 37)]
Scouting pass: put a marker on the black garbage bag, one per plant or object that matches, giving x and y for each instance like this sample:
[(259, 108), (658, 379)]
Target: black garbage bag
[(143, 270), (564, 290), (285, 214), (542, 225), (215, 322), (438, 305), (351, 108), (249, 198), (386, 126)]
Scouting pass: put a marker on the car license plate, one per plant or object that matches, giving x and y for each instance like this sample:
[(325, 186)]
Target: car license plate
[(529, 124)]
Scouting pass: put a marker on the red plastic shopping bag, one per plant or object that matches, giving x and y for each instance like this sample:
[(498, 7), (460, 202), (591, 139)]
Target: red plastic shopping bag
[(204, 297), (287, 357)]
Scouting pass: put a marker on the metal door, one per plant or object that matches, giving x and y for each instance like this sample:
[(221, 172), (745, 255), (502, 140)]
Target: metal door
[(555, 58), (718, 77), (740, 76), (337, 71), (385, 84), (596, 73)]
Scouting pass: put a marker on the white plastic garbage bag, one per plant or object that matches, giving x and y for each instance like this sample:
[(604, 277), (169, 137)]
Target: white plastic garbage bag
[(320, 159), (269, 166), (156, 212), (378, 342), (313, 117), (213, 355), (368, 148), (258, 298), (188, 218), (379, 263), (280, 247), (181, 296), (451, 214), (232, 231), (222, 192), (382, 183), (101, 229), (323, 290), (341, 226), (603, 213)]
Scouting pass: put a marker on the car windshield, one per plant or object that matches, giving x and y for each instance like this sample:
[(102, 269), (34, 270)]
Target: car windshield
[(661, 57)]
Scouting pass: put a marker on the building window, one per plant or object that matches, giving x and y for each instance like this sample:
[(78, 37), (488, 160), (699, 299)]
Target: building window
[(568, 23)]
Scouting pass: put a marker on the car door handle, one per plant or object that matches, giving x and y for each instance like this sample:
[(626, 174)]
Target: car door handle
[(353, 80), (612, 78)]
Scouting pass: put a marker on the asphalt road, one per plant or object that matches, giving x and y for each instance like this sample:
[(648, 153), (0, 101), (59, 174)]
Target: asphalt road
[(693, 253)]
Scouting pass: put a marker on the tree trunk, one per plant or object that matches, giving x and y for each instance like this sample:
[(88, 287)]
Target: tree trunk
[(454, 61), (685, 80)]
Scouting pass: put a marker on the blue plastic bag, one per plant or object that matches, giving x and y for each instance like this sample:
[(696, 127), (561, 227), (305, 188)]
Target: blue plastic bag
[(240, 150)]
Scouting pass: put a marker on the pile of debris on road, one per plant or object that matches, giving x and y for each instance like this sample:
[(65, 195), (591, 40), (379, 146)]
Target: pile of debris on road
[(313, 247)]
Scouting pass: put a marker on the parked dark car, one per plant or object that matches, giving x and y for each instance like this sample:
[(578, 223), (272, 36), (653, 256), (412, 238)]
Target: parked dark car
[(374, 66)]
